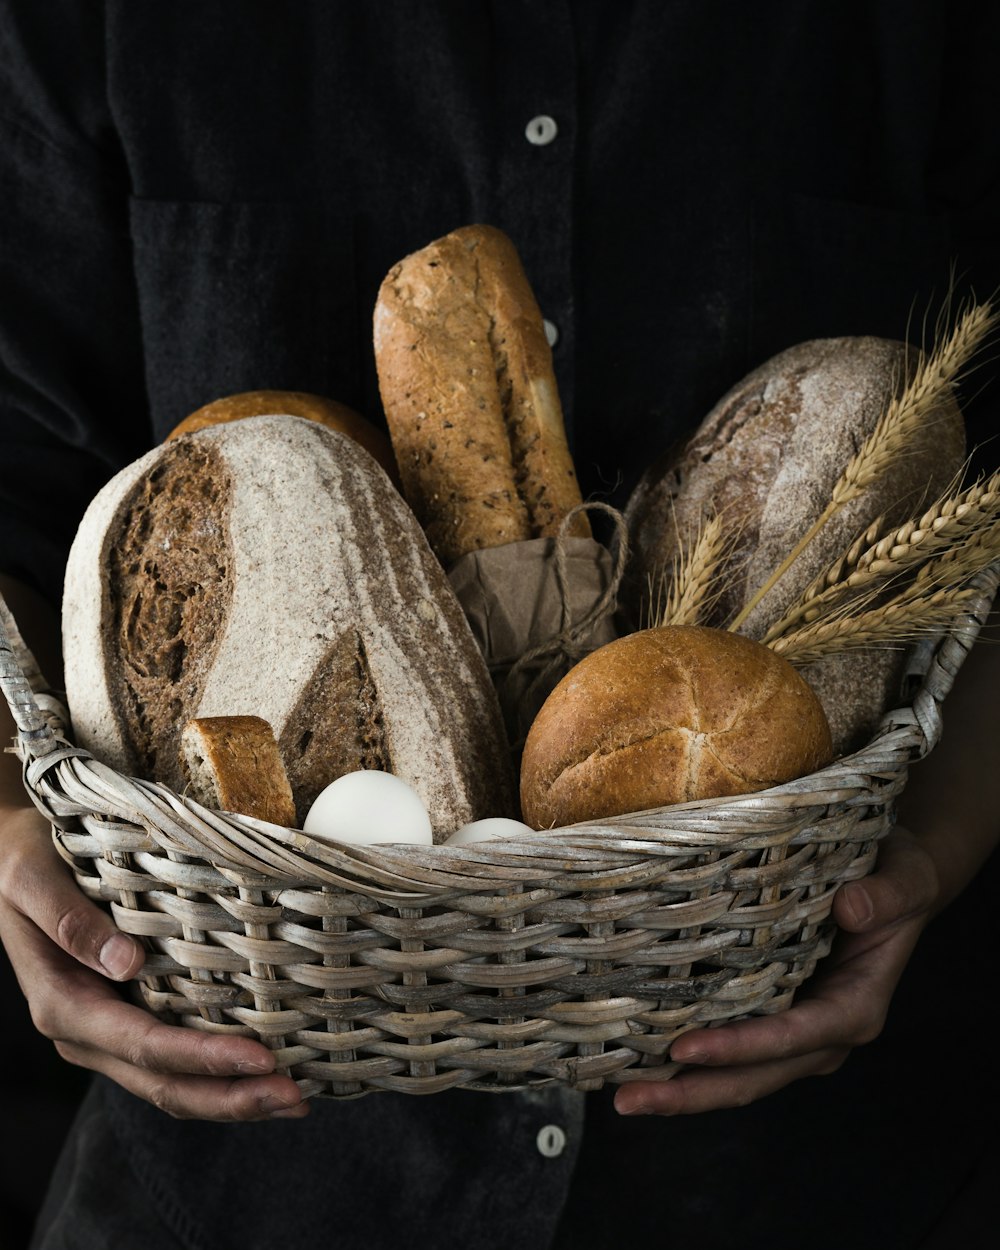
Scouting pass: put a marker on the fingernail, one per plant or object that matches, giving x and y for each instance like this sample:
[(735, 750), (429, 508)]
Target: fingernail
[(116, 955), (292, 1113), (256, 1066), (696, 1056), (637, 1108), (859, 903), (272, 1104)]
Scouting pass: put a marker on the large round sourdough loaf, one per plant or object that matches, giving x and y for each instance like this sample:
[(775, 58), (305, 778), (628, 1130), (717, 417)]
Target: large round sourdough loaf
[(267, 567), (767, 458)]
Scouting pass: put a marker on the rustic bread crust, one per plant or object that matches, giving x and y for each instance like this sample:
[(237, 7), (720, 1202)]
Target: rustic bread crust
[(465, 373), (667, 716), (264, 403), (766, 458), (327, 565), (233, 764)]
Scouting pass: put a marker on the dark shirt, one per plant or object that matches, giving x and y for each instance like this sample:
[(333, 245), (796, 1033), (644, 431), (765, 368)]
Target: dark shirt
[(203, 199)]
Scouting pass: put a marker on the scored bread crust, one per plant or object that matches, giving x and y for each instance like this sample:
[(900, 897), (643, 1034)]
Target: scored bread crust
[(667, 716), (233, 764), (470, 397), (329, 569)]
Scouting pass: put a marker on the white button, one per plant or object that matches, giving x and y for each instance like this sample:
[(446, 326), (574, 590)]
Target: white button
[(541, 129), (551, 332), (551, 1141)]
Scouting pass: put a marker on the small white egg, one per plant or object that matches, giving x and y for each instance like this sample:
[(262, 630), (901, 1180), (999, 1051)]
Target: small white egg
[(366, 807), (483, 830)]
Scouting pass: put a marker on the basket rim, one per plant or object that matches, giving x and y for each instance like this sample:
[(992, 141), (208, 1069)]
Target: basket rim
[(67, 782)]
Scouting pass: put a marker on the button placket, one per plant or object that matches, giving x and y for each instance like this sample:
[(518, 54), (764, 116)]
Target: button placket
[(532, 195)]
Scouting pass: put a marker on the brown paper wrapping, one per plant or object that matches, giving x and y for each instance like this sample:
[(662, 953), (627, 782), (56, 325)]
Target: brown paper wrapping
[(519, 602)]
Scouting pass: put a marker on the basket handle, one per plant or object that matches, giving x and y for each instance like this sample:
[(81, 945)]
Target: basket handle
[(38, 715)]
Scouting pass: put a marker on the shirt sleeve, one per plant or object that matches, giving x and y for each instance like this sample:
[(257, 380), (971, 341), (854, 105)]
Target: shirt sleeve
[(72, 397)]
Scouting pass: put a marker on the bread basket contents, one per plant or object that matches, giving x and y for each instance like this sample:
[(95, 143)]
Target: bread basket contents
[(472, 404), (258, 623), (366, 807), (669, 715), (267, 567)]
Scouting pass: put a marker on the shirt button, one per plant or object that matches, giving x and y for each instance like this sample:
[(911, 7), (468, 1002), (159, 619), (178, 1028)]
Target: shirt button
[(551, 1141), (551, 332), (541, 129)]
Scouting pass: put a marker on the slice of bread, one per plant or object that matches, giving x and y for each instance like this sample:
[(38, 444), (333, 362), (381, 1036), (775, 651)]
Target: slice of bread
[(233, 764)]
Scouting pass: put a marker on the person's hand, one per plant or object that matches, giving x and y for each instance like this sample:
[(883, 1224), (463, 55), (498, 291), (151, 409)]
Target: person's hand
[(67, 954), (843, 1005)]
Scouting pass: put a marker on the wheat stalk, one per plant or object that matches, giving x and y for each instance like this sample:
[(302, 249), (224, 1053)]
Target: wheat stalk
[(898, 622), (920, 399), (694, 582), (967, 522), (906, 412)]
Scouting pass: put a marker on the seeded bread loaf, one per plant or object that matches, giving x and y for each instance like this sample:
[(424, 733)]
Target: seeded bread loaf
[(232, 763), (766, 459), (267, 567), (465, 373)]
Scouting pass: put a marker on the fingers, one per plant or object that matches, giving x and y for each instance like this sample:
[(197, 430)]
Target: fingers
[(185, 1096), (904, 885), (692, 1092), (35, 882), (842, 1006), (184, 1071)]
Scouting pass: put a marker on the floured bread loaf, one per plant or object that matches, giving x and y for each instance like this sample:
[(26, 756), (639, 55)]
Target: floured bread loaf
[(267, 567), (767, 458), (294, 404)]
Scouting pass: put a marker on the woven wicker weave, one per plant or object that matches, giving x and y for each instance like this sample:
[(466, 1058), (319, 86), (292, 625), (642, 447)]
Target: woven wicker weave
[(576, 955)]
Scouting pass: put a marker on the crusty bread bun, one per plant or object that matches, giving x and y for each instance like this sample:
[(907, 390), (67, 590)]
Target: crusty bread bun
[(666, 716), (465, 373), (233, 764), (327, 412)]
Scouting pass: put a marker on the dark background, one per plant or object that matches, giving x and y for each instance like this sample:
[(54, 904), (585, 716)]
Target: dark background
[(38, 1096)]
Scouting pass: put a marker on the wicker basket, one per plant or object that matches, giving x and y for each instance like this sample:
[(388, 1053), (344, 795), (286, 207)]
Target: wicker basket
[(575, 955)]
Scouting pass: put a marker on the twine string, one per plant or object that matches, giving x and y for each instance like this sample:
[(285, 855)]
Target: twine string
[(572, 641)]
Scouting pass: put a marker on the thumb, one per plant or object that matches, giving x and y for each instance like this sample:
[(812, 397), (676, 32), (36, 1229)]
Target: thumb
[(904, 885), (37, 883)]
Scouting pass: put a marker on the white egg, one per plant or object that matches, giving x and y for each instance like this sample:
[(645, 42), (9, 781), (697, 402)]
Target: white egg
[(490, 827), (367, 807)]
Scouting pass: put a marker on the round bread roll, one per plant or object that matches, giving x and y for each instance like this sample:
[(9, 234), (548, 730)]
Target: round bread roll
[(327, 412), (667, 716)]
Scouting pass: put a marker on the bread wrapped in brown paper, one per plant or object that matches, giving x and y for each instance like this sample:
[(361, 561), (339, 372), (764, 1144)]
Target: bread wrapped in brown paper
[(474, 415)]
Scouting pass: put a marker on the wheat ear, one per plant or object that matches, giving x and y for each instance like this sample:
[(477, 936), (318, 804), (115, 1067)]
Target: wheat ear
[(897, 622), (969, 516), (906, 412), (694, 581)]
